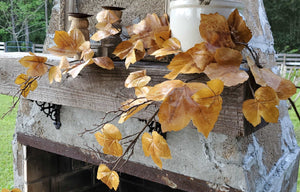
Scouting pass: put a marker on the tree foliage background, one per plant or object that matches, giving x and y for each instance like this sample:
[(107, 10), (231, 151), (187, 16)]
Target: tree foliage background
[(284, 17), (24, 20)]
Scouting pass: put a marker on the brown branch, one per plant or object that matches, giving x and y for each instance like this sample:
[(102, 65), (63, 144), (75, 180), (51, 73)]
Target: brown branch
[(295, 108), (132, 144)]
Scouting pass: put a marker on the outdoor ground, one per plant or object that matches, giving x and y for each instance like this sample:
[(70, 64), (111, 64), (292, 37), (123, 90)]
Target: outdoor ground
[(6, 134)]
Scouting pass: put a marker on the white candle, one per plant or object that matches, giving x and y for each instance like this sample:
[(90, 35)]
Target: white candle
[(185, 18)]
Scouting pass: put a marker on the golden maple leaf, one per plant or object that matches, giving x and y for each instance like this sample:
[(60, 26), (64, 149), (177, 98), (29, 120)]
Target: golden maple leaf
[(35, 64), (170, 46), (156, 146), (240, 33), (104, 62), (133, 52), (54, 74), (109, 140), (137, 79), (13, 190), (108, 177), (67, 44), (215, 30), (264, 77), (264, 105), (226, 67), (26, 83), (131, 107), (193, 60)]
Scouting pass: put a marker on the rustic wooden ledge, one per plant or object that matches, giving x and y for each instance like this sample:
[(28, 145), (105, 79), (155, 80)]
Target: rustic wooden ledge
[(103, 90)]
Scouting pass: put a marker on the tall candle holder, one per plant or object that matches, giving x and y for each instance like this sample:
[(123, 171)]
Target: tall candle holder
[(185, 16), (80, 21)]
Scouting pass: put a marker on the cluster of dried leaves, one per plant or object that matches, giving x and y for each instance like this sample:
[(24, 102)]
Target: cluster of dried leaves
[(219, 57)]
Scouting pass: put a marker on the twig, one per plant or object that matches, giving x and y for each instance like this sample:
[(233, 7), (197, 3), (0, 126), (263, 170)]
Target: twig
[(295, 108), (132, 144), (251, 88)]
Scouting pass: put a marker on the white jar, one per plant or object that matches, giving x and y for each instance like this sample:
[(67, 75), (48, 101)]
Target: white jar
[(185, 18)]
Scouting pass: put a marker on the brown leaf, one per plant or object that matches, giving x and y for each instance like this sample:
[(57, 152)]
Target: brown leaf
[(104, 32), (109, 140), (142, 91), (131, 107), (227, 56), (137, 79), (170, 46), (64, 63), (110, 178), (240, 33), (214, 29), (67, 44), (178, 108), (54, 74), (132, 51), (156, 146), (26, 83), (104, 62), (193, 61), (162, 36), (76, 69), (264, 77), (35, 64), (264, 105), (230, 75), (160, 91)]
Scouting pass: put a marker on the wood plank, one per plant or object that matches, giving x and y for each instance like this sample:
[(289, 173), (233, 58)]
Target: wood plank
[(102, 90)]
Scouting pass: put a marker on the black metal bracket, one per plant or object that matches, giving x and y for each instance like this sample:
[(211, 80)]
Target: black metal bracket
[(52, 111), (155, 126)]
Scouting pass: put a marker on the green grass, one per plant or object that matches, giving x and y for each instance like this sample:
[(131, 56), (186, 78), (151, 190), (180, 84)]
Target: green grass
[(7, 127)]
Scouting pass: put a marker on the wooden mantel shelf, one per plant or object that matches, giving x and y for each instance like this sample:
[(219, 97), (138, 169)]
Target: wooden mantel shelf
[(103, 90)]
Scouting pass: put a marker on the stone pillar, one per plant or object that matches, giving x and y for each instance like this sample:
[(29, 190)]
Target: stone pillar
[(265, 161)]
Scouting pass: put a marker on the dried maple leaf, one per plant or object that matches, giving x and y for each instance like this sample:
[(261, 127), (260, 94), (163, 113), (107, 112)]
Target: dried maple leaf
[(104, 62), (67, 44), (210, 103), (87, 52), (227, 67), (64, 63), (131, 107), (109, 140), (54, 74), (26, 83), (161, 36), (264, 105), (160, 91), (170, 46), (110, 178), (193, 60), (76, 69), (240, 33), (156, 146), (137, 79), (214, 29), (142, 91), (264, 77), (104, 32), (35, 64), (132, 51)]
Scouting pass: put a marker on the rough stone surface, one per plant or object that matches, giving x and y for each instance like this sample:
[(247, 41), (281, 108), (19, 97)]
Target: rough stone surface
[(265, 161)]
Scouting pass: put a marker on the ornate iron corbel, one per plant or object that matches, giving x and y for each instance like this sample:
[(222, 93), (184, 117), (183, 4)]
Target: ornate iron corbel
[(52, 111)]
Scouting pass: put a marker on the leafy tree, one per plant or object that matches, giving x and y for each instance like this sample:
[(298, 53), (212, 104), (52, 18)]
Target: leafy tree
[(24, 20), (284, 19)]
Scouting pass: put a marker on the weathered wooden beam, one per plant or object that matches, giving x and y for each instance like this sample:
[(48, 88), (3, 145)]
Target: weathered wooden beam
[(103, 90)]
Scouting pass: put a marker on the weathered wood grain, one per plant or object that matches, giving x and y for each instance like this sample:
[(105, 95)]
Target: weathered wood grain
[(103, 90)]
